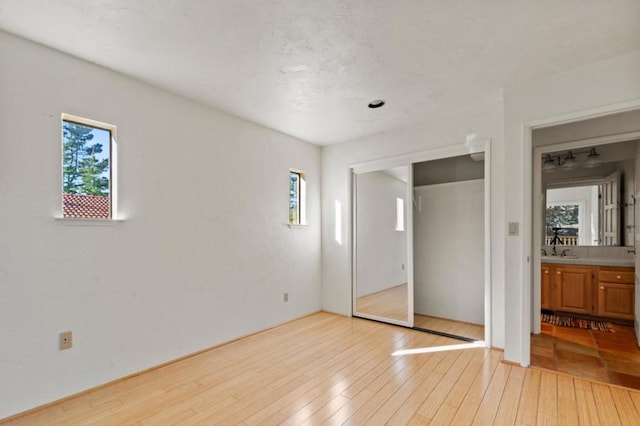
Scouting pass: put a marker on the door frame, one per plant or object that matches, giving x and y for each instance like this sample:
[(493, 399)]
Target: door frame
[(473, 145), (530, 269), (538, 152)]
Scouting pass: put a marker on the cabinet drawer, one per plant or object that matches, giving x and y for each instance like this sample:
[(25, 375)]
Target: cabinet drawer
[(616, 277)]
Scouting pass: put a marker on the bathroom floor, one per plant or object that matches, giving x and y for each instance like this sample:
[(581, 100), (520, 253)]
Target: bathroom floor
[(598, 355)]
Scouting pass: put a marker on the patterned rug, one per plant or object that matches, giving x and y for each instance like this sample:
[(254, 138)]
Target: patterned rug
[(576, 322)]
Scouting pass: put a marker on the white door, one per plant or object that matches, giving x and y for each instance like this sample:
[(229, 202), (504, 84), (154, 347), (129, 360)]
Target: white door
[(610, 210), (383, 245)]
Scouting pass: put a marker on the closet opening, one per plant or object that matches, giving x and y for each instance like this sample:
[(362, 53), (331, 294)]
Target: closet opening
[(420, 242)]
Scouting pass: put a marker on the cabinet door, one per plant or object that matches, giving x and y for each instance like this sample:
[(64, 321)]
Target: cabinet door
[(615, 300), (545, 284), (573, 289)]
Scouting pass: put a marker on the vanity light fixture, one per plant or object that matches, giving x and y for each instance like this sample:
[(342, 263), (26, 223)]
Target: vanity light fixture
[(593, 159), (569, 161), (549, 164)]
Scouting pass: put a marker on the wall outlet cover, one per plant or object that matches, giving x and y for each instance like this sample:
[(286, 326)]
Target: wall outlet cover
[(65, 340)]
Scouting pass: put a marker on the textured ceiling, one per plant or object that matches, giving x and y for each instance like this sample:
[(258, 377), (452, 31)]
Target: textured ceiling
[(308, 68)]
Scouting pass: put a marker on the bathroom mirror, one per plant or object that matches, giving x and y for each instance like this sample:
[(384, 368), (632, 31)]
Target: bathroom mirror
[(589, 203), (584, 213)]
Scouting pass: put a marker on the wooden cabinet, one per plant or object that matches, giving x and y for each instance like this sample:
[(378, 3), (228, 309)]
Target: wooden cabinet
[(616, 292), (545, 284), (602, 291), (573, 286)]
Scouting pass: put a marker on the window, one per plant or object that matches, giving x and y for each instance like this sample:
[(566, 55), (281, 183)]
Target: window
[(88, 169), (563, 223), (297, 194), (571, 216)]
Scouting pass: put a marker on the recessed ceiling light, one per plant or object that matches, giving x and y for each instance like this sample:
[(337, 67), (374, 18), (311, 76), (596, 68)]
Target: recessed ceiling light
[(376, 104)]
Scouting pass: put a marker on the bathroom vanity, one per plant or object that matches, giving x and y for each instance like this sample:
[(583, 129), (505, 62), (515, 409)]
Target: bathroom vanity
[(586, 225), (590, 286)]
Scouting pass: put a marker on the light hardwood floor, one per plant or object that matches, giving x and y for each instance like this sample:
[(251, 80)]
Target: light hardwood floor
[(329, 369), (392, 303), (458, 328), (387, 303)]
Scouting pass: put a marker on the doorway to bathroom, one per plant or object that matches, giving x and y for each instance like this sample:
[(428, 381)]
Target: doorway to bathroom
[(584, 287)]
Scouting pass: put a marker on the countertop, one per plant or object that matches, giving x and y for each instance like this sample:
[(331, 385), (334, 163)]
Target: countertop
[(598, 261)]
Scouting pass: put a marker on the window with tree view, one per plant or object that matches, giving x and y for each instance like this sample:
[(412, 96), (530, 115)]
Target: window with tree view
[(572, 215), (297, 193), (562, 216), (87, 150)]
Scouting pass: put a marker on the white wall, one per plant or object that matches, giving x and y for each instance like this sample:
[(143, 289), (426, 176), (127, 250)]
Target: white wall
[(612, 124), (446, 130), (382, 251), (448, 246), (203, 256), (580, 93)]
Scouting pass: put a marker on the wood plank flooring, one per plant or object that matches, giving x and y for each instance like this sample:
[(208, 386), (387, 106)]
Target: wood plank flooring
[(388, 303), (329, 369), (458, 328), (392, 303)]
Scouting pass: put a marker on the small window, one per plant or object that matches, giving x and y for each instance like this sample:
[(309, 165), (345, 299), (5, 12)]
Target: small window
[(297, 195), (88, 174)]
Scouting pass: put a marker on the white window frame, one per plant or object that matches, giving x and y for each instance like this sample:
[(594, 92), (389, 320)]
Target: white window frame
[(302, 198), (113, 170)]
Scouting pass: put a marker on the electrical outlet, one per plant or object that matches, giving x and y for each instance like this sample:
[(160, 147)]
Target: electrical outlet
[(286, 297), (66, 340)]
